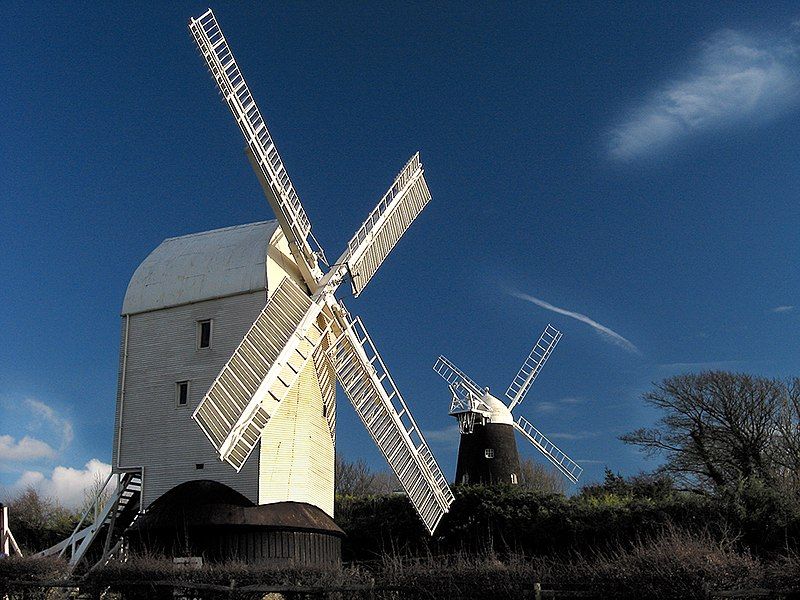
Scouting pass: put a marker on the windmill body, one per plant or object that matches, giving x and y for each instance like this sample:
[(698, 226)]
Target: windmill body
[(219, 280), (487, 452), (186, 309)]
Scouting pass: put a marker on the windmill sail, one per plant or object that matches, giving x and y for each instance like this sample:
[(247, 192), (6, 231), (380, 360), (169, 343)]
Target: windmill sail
[(568, 467), (533, 364), (259, 374), (388, 221), (293, 328), (378, 402), (269, 166), (454, 376)]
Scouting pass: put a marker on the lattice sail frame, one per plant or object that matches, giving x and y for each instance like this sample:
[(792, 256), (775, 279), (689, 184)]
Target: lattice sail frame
[(279, 188), (467, 402), (375, 397), (261, 371), (466, 393), (568, 467), (469, 409), (532, 365), (387, 222)]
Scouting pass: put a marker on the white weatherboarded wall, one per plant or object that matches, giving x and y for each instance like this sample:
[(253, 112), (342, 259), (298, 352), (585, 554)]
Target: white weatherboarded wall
[(157, 433)]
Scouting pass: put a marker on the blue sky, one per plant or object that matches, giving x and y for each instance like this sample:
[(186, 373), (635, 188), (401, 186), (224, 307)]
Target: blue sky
[(633, 165)]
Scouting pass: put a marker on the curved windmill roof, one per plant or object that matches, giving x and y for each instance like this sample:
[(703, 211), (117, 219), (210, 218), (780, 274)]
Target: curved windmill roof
[(201, 266)]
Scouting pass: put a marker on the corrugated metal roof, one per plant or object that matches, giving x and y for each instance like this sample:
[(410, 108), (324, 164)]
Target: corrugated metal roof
[(201, 266)]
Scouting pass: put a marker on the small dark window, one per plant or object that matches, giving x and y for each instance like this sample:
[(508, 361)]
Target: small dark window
[(489, 453), (182, 393), (200, 466), (204, 334)]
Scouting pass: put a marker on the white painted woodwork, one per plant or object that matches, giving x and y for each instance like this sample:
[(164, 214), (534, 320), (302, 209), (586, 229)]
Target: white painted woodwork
[(260, 372), (158, 348), (532, 365), (568, 467), (384, 413), (386, 224), (297, 453)]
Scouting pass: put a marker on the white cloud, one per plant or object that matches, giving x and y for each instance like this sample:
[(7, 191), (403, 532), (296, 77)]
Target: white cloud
[(48, 434), (735, 77), (26, 449), (608, 334), (783, 308), (447, 435), (65, 485)]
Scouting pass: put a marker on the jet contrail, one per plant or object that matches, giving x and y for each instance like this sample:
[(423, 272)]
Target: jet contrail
[(609, 334)]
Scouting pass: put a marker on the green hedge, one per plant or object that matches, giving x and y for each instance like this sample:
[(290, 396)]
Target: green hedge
[(516, 520)]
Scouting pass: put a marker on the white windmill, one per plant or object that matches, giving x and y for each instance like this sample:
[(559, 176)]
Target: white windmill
[(186, 328), (304, 324), (487, 452)]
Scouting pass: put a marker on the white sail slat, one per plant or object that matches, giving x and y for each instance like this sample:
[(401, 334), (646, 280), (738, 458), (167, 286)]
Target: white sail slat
[(532, 365), (387, 223), (269, 166)]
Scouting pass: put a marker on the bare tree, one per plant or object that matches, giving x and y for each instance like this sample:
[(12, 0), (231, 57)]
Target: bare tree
[(536, 476), (353, 478), (39, 522), (719, 429), (787, 452), (95, 497), (357, 479), (385, 482)]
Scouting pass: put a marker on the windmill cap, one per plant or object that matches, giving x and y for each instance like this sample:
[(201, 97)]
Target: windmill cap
[(500, 412)]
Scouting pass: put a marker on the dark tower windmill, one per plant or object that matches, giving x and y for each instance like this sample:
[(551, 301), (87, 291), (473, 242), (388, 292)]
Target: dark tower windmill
[(487, 452)]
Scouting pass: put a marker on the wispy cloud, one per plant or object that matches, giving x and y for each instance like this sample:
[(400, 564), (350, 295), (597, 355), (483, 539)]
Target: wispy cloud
[(708, 365), (549, 407), (571, 400), (448, 435), (45, 413), (735, 77), (579, 435), (781, 309), (608, 334)]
